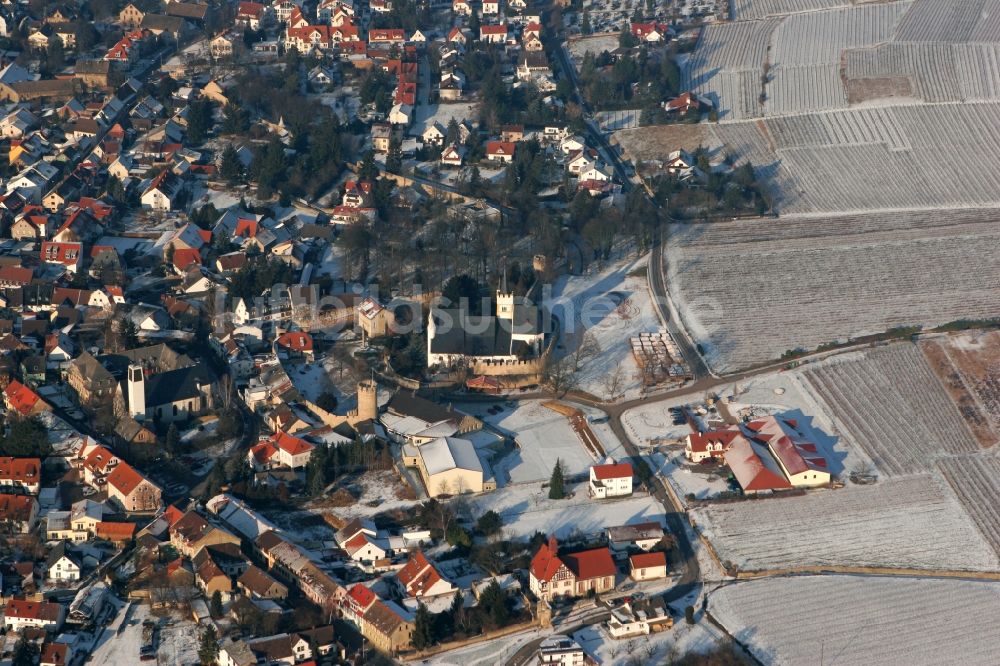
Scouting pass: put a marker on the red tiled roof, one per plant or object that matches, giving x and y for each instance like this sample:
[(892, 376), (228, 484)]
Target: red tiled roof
[(296, 341), (546, 563), (20, 397), (644, 560), (113, 531), (54, 653), (32, 610), (16, 275), (616, 471), (500, 147), (595, 563), (291, 444), (184, 258), (418, 575), (24, 470), (15, 507), (361, 596), (493, 30), (701, 440), (124, 478)]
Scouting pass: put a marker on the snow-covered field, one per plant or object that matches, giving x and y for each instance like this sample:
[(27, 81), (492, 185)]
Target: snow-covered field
[(749, 291), (889, 402), (486, 653), (608, 306), (904, 522), (862, 620), (542, 435), (527, 509)]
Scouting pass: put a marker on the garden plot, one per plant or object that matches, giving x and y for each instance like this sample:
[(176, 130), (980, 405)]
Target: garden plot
[(428, 114), (374, 493), (595, 44), (527, 509), (542, 437), (889, 402), (602, 310), (750, 291), (861, 620), (912, 523), (968, 364), (976, 482)]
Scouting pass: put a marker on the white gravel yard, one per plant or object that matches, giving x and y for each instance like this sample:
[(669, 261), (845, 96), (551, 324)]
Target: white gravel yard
[(862, 620), (906, 522)]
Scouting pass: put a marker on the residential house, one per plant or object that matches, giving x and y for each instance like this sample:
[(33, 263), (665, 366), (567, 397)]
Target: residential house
[(281, 450), (610, 480), (256, 583), (388, 626), (19, 512), (62, 566), (562, 651), (648, 566), (639, 618), (132, 491), (20, 614), (572, 575), (163, 192), (23, 473), (642, 536), (500, 151), (420, 578), (493, 34)]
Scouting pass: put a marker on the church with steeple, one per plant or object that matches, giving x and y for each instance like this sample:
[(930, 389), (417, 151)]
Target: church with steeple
[(514, 333)]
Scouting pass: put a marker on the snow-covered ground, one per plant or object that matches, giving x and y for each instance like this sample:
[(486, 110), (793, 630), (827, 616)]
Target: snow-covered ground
[(660, 648), (527, 509), (701, 481), (862, 620), (608, 306), (912, 522), (542, 435), (487, 653), (376, 493), (427, 114)]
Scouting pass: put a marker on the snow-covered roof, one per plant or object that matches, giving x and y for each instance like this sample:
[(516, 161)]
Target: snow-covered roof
[(447, 453)]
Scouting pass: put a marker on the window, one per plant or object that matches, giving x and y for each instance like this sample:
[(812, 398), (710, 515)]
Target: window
[(175, 410)]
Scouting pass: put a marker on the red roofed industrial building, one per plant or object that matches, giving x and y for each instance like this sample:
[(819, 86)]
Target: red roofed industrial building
[(612, 480), (571, 575), (754, 468)]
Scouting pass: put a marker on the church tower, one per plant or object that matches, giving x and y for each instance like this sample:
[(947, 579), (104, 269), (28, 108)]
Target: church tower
[(136, 385), (505, 298)]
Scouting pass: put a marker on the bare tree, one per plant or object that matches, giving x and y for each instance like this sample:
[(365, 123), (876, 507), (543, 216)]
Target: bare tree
[(587, 348), (560, 376), (613, 381)]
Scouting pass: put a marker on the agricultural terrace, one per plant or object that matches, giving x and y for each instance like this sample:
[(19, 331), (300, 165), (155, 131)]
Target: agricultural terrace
[(836, 54), (861, 620), (748, 291), (745, 10), (976, 482), (889, 402), (913, 522)]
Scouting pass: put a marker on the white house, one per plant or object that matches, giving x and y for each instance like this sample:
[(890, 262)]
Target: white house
[(491, 7), (61, 566), (611, 480), (561, 651), (453, 156), (434, 134), (639, 618), (163, 192), (648, 566), (21, 613)]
